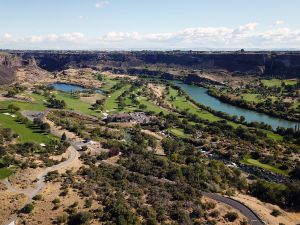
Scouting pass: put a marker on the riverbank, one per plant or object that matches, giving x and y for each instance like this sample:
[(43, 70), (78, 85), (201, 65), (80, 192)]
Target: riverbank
[(253, 107), (200, 95)]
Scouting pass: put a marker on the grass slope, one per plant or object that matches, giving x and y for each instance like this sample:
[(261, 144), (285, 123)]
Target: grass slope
[(183, 104), (26, 134), (75, 104), (253, 162)]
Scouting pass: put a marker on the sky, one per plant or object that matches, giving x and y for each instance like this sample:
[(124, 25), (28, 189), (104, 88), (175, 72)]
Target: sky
[(149, 24)]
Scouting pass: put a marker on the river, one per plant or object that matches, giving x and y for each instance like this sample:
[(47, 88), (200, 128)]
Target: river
[(200, 95)]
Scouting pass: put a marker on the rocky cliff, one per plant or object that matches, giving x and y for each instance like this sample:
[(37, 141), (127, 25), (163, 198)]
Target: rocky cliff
[(284, 64), (8, 65)]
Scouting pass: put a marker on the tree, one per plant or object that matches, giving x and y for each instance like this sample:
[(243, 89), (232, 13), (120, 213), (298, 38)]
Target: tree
[(242, 119), (55, 103), (37, 121), (63, 137), (24, 120), (142, 106), (295, 173), (45, 127), (11, 93), (80, 218), (99, 104), (13, 108)]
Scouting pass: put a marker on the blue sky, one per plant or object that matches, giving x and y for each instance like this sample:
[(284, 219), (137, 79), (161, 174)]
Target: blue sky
[(149, 24)]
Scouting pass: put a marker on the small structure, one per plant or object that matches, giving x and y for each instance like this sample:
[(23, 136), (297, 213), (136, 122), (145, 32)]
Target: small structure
[(105, 115), (42, 145)]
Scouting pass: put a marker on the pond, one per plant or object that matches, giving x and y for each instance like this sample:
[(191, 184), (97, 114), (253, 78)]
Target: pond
[(200, 95), (71, 87)]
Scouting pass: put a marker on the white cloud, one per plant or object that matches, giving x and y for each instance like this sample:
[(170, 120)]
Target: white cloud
[(7, 36), (278, 23), (101, 4), (244, 36)]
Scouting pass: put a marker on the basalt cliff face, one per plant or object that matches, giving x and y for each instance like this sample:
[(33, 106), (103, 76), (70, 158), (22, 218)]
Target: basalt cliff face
[(8, 66), (280, 64)]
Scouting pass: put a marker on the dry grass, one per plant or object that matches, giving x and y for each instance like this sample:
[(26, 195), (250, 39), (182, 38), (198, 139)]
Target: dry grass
[(265, 209), (44, 214), (9, 203), (223, 209)]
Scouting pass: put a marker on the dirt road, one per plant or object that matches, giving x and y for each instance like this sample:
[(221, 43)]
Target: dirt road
[(30, 193)]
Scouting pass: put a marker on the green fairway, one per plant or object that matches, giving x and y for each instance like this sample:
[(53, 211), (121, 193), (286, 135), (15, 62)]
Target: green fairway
[(26, 134), (151, 107), (34, 106), (5, 172), (75, 104), (249, 161), (277, 82), (111, 102), (177, 132), (252, 98), (108, 83), (273, 135)]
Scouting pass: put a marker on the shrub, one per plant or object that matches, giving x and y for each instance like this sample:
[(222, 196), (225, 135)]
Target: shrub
[(209, 205), (56, 201), (62, 219), (52, 176), (88, 203), (231, 216), (55, 207), (64, 192), (27, 208), (37, 197), (80, 218), (275, 212), (214, 214)]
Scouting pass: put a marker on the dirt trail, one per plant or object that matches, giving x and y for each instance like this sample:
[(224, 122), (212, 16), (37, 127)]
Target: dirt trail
[(40, 185), (73, 155)]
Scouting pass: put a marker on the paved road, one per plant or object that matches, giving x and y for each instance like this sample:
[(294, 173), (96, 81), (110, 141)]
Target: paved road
[(253, 218)]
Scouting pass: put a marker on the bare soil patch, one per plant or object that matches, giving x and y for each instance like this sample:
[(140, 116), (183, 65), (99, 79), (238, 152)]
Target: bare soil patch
[(9, 203), (44, 212), (25, 178)]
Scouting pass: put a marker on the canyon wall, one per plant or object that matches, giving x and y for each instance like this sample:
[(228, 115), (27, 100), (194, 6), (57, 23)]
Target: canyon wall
[(277, 64), (8, 65)]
